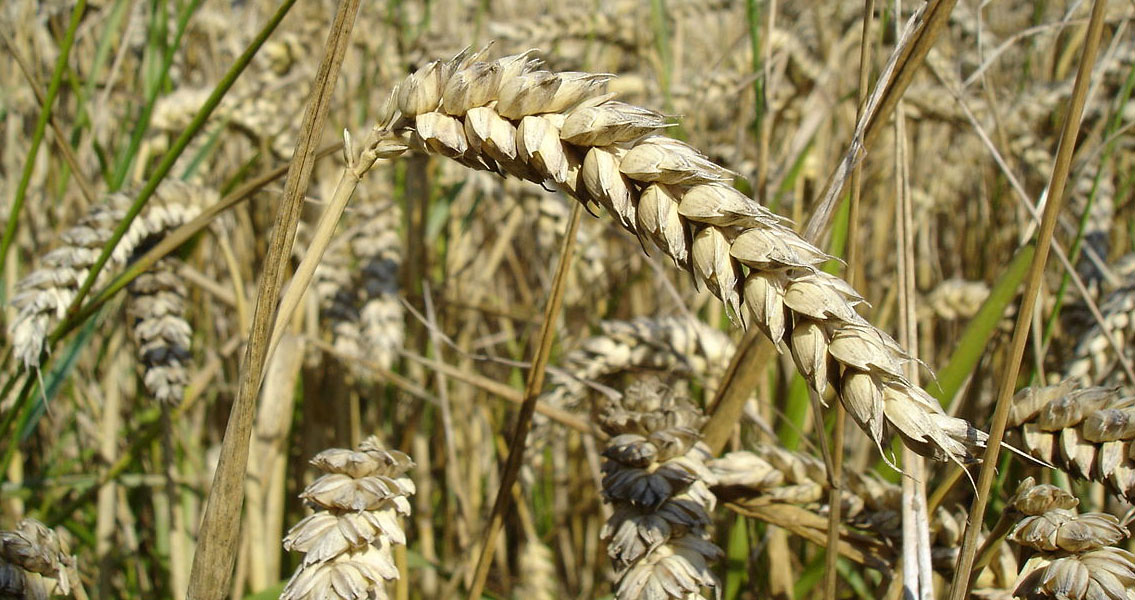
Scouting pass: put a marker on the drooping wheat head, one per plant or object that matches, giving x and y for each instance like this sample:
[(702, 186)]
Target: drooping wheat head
[(42, 296), (161, 333), (509, 117)]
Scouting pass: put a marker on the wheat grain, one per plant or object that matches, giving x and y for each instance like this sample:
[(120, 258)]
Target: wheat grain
[(558, 128), (347, 545), (43, 296), (161, 333)]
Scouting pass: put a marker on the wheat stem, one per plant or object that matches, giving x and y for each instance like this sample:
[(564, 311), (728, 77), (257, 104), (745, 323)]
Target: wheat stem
[(217, 541), (959, 586)]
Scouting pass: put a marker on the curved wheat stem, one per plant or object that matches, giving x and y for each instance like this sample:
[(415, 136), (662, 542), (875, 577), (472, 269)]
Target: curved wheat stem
[(42, 297), (509, 117)]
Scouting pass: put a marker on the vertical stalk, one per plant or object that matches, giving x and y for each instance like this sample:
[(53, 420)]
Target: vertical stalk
[(218, 538), (1056, 185)]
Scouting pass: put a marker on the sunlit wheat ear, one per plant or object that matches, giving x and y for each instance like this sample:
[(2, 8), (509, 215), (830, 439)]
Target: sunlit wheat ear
[(347, 543), (34, 562), (161, 333), (42, 297), (1075, 557), (1090, 433), (655, 477), (560, 129)]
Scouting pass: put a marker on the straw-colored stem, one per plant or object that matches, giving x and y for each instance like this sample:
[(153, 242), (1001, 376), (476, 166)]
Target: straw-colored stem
[(1059, 179), (217, 541), (532, 389)]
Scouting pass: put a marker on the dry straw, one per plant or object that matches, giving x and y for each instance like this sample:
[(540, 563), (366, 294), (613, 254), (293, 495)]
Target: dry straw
[(510, 117), (348, 543)]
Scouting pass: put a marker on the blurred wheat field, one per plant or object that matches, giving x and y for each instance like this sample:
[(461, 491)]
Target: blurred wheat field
[(300, 300)]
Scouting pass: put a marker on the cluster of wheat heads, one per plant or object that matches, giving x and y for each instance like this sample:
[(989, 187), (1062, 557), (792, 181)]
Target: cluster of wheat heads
[(561, 129)]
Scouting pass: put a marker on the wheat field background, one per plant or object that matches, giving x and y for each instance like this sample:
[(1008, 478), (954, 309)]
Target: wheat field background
[(303, 299)]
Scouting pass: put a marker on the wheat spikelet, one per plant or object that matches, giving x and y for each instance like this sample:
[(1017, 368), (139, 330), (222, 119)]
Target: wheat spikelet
[(161, 333), (43, 296), (670, 344), (347, 543), (1090, 433), (34, 563), (558, 128), (655, 476), (1075, 558)]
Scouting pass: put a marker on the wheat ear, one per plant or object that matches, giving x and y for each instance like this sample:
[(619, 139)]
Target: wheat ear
[(348, 543), (35, 563), (1094, 362), (509, 117), (1075, 558), (1090, 432), (656, 478), (161, 333), (772, 475), (42, 297)]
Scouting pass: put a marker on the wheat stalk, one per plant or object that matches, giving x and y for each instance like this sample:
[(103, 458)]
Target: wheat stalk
[(559, 128), (43, 296), (348, 543), (656, 478), (1075, 557)]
